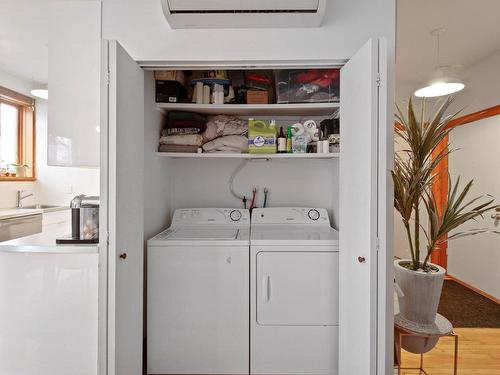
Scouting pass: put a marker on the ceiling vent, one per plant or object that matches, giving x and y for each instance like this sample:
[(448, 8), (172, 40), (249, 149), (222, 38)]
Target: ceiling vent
[(223, 14)]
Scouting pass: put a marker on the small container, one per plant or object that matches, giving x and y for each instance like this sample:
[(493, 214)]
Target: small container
[(206, 94), (319, 147), (261, 137), (289, 139), (307, 85), (257, 97), (325, 147), (299, 144), (199, 92)]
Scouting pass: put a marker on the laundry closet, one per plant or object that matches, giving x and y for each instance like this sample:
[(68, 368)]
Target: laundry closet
[(148, 186), (142, 187)]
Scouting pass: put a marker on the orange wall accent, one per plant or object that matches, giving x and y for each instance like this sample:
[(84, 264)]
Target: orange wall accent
[(475, 116), (440, 191)]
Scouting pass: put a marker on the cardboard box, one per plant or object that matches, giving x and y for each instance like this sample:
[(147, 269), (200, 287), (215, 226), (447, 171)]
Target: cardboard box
[(257, 97), (170, 75)]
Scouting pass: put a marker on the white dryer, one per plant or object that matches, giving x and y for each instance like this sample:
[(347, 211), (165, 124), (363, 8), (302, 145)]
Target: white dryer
[(198, 294), (294, 282)]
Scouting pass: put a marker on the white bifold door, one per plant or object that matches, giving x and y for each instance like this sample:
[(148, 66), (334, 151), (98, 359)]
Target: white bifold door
[(122, 197), (363, 205)]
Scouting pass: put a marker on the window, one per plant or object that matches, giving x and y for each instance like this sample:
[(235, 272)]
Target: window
[(17, 157)]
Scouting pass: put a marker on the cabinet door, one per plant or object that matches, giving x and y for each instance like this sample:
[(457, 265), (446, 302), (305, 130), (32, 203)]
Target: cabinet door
[(122, 195), (358, 212), (297, 288), (198, 307), (74, 64)]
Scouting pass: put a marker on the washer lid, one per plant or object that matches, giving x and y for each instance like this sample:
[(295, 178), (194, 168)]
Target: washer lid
[(199, 235), (293, 235)]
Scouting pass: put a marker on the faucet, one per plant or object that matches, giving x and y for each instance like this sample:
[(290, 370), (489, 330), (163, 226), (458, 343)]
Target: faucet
[(20, 197)]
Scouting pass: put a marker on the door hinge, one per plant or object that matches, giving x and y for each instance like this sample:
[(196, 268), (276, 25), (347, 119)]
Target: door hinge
[(377, 245), (108, 77), (378, 80)]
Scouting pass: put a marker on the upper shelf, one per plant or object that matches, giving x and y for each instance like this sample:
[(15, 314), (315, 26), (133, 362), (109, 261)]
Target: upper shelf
[(291, 109)]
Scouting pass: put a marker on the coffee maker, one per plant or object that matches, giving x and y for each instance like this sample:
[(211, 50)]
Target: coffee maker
[(84, 221)]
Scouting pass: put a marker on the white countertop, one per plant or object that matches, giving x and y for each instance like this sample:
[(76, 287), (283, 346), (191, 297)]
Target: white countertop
[(45, 242)]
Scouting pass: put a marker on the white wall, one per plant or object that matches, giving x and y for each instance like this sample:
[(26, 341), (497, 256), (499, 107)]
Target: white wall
[(303, 183), (15, 83), (482, 85), (54, 185), (139, 25), (476, 259)]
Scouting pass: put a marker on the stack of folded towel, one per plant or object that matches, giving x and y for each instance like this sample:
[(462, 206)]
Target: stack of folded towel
[(226, 134), (187, 132), (183, 132)]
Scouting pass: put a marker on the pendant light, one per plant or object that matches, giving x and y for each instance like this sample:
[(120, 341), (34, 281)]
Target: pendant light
[(441, 83), (40, 92)]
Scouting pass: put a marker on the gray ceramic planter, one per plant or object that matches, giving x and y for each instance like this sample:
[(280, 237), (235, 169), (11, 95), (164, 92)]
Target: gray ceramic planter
[(418, 300)]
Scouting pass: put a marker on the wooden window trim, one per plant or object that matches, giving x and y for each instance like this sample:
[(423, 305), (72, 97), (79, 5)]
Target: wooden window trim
[(16, 98), (23, 104)]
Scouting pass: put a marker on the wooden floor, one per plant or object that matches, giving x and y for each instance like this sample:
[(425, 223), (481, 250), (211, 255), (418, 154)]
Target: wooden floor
[(478, 354)]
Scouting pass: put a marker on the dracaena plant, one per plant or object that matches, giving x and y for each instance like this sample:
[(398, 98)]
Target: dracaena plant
[(415, 169)]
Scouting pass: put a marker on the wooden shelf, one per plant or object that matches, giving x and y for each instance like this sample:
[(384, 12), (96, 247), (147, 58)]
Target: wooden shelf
[(297, 109), (179, 155)]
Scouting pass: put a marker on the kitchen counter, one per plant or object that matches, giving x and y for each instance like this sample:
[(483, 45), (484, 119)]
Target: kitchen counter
[(9, 213), (45, 242)]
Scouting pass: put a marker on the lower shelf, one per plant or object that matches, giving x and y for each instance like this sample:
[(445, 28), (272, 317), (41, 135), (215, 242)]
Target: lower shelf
[(178, 155)]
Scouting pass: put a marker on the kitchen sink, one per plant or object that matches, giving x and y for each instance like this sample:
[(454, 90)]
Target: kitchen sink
[(40, 206), (44, 207)]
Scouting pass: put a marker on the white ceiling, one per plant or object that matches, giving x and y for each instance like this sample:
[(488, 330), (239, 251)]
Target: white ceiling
[(24, 38), (472, 34)]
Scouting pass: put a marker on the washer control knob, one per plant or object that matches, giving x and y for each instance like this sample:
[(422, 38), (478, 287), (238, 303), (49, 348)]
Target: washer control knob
[(313, 214), (235, 215)]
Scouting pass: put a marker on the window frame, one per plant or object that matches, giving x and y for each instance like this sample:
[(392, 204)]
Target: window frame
[(23, 104)]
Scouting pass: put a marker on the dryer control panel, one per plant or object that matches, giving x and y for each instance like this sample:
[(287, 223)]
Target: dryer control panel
[(290, 215), (205, 216)]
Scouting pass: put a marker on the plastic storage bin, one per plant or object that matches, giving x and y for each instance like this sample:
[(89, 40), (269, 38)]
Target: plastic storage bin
[(307, 85)]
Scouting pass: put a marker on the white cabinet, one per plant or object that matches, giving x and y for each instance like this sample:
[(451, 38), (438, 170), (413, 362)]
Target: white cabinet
[(74, 65), (56, 219), (48, 310)]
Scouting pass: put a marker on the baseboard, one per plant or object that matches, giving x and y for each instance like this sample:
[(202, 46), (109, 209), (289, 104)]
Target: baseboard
[(479, 291)]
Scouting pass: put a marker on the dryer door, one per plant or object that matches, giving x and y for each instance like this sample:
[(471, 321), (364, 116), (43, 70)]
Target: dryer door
[(297, 288)]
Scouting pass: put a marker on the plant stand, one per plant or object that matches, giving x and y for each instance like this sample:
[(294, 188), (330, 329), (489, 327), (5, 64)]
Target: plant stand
[(402, 330)]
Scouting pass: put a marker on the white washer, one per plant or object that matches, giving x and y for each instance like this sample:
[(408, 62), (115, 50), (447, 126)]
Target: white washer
[(294, 264), (198, 301)]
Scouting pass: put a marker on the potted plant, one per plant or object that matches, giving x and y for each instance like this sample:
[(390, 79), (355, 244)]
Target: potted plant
[(418, 281), (18, 170)]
